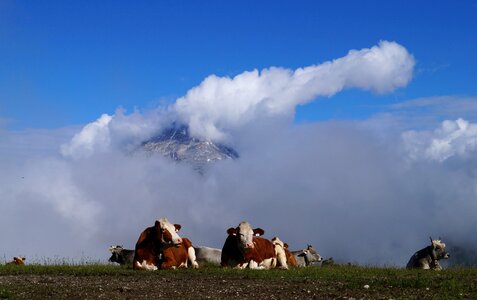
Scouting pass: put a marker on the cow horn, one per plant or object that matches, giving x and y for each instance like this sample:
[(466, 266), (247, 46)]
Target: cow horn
[(430, 238)]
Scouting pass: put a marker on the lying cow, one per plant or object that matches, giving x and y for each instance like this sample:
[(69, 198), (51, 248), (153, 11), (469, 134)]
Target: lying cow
[(428, 258), (208, 255), (245, 248), (307, 257), (121, 256), (284, 257), (160, 247), (17, 261), (328, 262)]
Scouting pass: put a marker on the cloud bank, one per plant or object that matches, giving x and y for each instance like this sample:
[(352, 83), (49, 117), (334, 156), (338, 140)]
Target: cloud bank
[(337, 185)]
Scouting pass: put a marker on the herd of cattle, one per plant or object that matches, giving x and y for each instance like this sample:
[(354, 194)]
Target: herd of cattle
[(161, 247)]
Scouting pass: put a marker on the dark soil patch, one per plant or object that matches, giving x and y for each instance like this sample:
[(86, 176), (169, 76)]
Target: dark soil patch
[(232, 284)]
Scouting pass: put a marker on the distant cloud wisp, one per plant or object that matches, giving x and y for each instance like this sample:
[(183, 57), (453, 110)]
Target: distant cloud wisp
[(453, 138)]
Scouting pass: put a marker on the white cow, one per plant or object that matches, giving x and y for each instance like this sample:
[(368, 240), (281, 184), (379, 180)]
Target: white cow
[(208, 255)]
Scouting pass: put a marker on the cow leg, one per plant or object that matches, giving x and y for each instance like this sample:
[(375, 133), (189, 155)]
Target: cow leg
[(270, 263), (144, 265), (168, 265), (241, 265), (282, 261), (192, 257), (254, 265)]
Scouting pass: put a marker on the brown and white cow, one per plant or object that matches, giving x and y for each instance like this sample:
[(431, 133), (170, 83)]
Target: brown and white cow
[(245, 248), (17, 261), (161, 247), (285, 258)]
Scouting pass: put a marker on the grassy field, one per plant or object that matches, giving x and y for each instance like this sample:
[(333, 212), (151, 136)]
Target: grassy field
[(340, 282)]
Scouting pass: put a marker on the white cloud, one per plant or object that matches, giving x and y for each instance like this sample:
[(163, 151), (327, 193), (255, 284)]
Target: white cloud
[(453, 138), (219, 104), (52, 182), (110, 132), (316, 176), (93, 137)]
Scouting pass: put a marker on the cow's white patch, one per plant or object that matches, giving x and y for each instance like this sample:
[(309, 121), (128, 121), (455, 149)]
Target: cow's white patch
[(280, 252), (438, 244), (166, 225), (254, 265), (245, 233), (144, 265), (269, 263), (242, 266), (192, 257)]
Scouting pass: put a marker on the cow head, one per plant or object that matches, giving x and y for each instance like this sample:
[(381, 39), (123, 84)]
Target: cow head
[(166, 232), (277, 242), (116, 248), (310, 255), (439, 249), (245, 234), (18, 260)]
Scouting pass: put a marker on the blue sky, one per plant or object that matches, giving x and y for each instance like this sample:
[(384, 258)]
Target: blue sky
[(65, 63)]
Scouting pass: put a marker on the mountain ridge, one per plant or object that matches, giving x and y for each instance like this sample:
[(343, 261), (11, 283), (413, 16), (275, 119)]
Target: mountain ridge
[(176, 143)]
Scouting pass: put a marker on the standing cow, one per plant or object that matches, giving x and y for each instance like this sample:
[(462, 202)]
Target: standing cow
[(161, 247), (245, 248), (121, 256), (428, 258)]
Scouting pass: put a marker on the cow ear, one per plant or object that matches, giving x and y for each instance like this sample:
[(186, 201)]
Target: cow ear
[(178, 227), (157, 224), (285, 245), (258, 231), (231, 231)]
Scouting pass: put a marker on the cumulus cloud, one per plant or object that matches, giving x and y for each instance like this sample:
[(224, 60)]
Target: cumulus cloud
[(111, 132), (221, 103), (452, 138), (93, 137)]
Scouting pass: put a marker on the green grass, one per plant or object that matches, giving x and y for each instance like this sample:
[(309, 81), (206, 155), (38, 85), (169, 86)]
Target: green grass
[(450, 283)]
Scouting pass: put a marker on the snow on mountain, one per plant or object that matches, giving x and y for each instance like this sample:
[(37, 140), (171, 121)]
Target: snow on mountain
[(176, 143)]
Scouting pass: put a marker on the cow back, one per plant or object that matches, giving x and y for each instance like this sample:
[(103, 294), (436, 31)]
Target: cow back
[(291, 260), (208, 255), (146, 248)]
